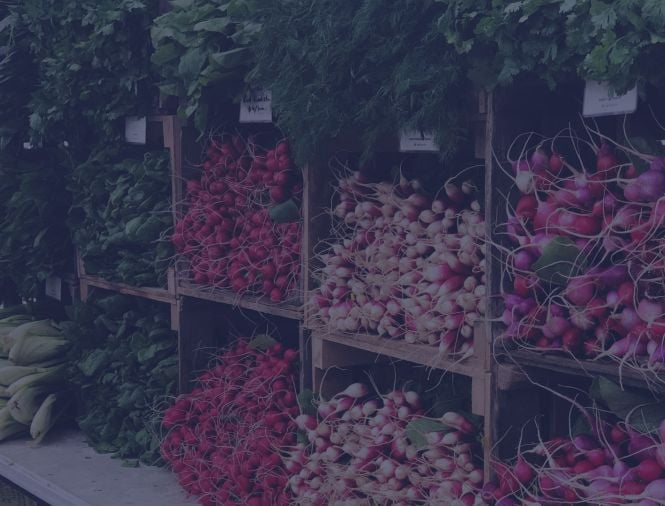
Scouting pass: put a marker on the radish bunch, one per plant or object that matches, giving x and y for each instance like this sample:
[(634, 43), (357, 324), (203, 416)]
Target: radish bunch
[(585, 255), (242, 229), (359, 452), (622, 466), (224, 439), (404, 265)]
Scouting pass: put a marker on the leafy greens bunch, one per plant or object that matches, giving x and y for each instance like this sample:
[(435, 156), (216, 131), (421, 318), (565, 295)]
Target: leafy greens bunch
[(34, 240), (124, 364), (365, 68), (203, 51), (94, 67), (120, 214), (17, 78), (614, 41)]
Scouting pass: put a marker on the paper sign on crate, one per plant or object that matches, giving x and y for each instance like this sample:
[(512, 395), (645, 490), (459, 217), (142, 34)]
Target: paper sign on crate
[(136, 129), (600, 101), (256, 107), (417, 141), (54, 287)]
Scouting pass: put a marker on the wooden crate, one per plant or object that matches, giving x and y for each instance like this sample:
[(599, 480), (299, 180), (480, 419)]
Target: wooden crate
[(190, 148), (169, 135), (207, 325)]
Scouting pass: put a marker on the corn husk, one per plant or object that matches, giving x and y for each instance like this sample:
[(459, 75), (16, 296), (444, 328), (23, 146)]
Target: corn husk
[(50, 376), (11, 373), (48, 414), (7, 326), (24, 404), (8, 426), (37, 342)]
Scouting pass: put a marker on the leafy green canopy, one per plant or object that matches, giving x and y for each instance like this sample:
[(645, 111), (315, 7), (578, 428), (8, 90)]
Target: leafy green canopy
[(94, 67), (121, 213), (202, 52), (368, 68), (125, 366), (360, 69), (621, 42)]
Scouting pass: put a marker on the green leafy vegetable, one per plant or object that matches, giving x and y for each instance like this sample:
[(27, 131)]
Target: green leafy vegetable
[(123, 377), (121, 214), (202, 53), (561, 260)]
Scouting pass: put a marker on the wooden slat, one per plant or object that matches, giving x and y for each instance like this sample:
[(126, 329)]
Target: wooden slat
[(416, 353), (566, 365), (233, 299), (156, 294), (326, 354)]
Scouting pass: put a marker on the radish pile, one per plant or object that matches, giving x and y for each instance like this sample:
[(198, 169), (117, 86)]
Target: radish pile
[(365, 450), (623, 466), (404, 265), (225, 437), (242, 229), (586, 253)]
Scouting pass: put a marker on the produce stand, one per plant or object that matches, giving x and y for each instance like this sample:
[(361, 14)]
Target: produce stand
[(67, 472)]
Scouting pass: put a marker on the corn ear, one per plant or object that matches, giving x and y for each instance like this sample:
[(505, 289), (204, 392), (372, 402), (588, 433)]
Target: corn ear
[(24, 404), (33, 349), (53, 407), (7, 326), (52, 376), (8, 426), (12, 373)]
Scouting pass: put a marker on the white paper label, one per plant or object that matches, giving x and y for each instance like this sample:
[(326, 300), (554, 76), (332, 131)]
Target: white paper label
[(256, 107), (54, 287), (600, 101), (136, 129), (417, 141), (27, 145)]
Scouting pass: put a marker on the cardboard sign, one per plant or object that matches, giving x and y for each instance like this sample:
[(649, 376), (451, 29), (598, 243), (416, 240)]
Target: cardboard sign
[(54, 287), (256, 107), (600, 101), (415, 141), (136, 129)]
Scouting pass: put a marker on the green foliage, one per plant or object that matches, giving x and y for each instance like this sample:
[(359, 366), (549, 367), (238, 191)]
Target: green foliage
[(17, 78), (94, 67), (121, 214), (34, 240), (202, 52), (124, 364), (360, 69), (555, 40)]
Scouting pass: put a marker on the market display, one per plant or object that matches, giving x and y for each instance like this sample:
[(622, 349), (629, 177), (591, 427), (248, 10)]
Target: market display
[(585, 239), (494, 340), (122, 215), (225, 438), (367, 449), (404, 265), (617, 456), (242, 229)]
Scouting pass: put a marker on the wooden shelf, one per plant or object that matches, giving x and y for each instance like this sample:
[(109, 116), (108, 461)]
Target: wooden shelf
[(156, 294), (229, 298), (400, 349), (65, 471), (564, 364), (345, 350)]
